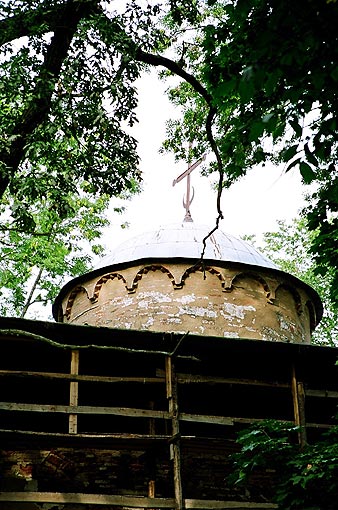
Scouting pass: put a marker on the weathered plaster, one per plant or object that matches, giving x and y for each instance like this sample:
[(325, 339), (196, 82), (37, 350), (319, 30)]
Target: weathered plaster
[(215, 300)]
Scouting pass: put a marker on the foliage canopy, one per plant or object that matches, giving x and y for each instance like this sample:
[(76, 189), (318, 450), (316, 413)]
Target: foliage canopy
[(289, 247), (303, 478), (34, 264), (270, 70), (259, 83)]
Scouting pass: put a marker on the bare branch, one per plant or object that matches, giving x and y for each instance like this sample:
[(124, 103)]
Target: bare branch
[(29, 299), (158, 60), (40, 338), (208, 127)]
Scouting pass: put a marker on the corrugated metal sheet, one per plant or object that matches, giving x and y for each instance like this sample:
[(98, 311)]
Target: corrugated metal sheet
[(185, 240)]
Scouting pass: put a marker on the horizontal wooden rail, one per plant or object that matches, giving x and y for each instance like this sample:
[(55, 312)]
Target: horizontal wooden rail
[(207, 379), (118, 411), (321, 393), (160, 379), (203, 418), (203, 504), (87, 499), (139, 413), (129, 437), (81, 378), (128, 501), (203, 379)]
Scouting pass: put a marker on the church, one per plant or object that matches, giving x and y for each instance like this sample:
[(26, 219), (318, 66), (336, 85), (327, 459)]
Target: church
[(181, 337)]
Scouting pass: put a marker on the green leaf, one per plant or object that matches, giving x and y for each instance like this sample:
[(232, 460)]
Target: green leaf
[(272, 81), (256, 131), (296, 127), (306, 172), (310, 156), (292, 164), (289, 153), (334, 73), (246, 89), (267, 118)]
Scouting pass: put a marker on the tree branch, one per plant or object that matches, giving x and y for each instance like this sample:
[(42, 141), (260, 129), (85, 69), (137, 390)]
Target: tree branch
[(40, 338), (158, 60), (29, 301), (208, 127), (28, 232), (31, 22), (38, 21), (37, 110)]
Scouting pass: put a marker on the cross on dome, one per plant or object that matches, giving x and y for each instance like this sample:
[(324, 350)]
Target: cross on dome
[(189, 197)]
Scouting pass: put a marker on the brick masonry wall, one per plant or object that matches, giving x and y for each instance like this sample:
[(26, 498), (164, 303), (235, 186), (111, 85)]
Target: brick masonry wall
[(211, 301), (205, 470)]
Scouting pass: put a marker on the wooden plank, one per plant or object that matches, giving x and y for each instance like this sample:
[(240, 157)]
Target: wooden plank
[(182, 379), (73, 391), (251, 420), (151, 489), (218, 505), (81, 378), (301, 406), (127, 501), (87, 499), (294, 396), (175, 447), (168, 382), (320, 425), (200, 418), (321, 393), (138, 413), (202, 379), (125, 411), (298, 406), (151, 458), (123, 436), (118, 411)]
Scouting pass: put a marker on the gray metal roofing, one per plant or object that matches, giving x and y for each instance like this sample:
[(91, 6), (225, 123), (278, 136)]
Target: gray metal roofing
[(185, 240)]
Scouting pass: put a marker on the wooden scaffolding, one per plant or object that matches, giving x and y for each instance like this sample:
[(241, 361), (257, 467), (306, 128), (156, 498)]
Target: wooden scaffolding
[(102, 418)]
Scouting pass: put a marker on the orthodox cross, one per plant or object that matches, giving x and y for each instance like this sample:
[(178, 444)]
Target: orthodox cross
[(189, 197)]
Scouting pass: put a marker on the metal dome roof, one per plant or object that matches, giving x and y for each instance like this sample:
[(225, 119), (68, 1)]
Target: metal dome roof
[(185, 240)]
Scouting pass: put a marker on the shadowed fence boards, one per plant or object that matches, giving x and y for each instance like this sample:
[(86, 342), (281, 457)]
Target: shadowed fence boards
[(144, 423)]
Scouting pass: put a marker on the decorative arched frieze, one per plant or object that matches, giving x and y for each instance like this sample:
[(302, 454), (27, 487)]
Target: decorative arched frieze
[(270, 296), (255, 301), (202, 269), (312, 315), (105, 278), (153, 267), (295, 294), (227, 283), (71, 299)]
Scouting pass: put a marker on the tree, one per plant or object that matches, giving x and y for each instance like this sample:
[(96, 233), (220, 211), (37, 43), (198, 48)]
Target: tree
[(34, 264), (68, 97), (270, 69), (55, 130), (258, 83), (289, 247), (67, 101), (303, 478)]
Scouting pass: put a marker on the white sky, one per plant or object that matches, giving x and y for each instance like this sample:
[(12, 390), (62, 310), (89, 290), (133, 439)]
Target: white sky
[(251, 206)]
